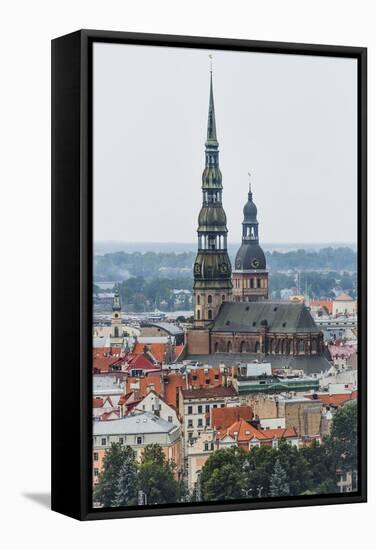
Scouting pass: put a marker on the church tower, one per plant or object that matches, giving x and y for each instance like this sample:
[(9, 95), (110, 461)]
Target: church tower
[(116, 337), (250, 277), (212, 268)]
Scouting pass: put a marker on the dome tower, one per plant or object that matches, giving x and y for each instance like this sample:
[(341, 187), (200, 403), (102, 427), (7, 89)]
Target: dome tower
[(250, 277)]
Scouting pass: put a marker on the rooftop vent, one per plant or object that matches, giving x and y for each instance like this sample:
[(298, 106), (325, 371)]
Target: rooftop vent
[(275, 309)]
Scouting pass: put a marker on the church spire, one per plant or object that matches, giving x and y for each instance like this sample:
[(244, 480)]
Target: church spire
[(212, 268), (212, 130)]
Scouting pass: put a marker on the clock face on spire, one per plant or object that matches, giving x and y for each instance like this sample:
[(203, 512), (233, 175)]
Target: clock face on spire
[(255, 263)]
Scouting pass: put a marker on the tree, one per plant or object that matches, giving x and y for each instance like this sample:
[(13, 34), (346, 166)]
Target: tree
[(126, 485), (222, 476), (108, 486), (156, 477), (344, 438), (278, 482), (321, 466)]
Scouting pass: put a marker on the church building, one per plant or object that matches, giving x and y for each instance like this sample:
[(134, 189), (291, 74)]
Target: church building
[(234, 321)]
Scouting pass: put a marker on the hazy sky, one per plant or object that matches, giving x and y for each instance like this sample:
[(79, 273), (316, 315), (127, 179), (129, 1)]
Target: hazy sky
[(290, 120)]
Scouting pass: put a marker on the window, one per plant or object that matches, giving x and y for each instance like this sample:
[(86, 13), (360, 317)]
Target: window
[(215, 406), (222, 405), (96, 472), (210, 314), (207, 421), (199, 409), (210, 299), (139, 440), (121, 440), (207, 381), (170, 419), (223, 297), (103, 441), (207, 408), (198, 300), (206, 446), (190, 423), (95, 456), (199, 423), (216, 377), (116, 332), (190, 409), (198, 315)]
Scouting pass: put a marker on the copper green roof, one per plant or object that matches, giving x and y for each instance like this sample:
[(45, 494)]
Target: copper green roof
[(276, 316)]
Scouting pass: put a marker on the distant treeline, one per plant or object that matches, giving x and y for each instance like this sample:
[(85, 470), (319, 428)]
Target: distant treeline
[(119, 266), (334, 259)]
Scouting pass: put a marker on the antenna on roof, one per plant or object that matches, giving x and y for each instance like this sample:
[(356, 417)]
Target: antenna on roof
[(211, 62)]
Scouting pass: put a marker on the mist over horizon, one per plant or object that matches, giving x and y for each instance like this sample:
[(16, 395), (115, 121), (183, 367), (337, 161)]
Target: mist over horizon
[(107, 247)]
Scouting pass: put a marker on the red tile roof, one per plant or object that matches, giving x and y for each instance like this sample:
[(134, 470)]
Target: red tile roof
[(217, 391), (139, 362), (158, 351), (103, 362), (107, 415), (327, 304), (335, 399), (144, 382), (223, 417), (243, 431), (172, 382)]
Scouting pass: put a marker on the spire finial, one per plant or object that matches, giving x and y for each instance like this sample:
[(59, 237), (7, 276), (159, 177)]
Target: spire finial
[(249, 180), (211, 63)]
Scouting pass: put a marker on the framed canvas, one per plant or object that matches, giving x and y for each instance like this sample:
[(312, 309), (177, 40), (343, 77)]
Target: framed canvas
[(208, 330)]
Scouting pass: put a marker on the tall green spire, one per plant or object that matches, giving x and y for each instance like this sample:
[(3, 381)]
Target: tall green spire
[(212, 130), (212, 268)]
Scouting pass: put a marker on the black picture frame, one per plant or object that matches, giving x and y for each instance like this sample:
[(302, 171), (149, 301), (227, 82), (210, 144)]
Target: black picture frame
[(72, 252)]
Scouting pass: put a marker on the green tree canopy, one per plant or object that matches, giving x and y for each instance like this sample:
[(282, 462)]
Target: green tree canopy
[(118, 464), (156, 477)]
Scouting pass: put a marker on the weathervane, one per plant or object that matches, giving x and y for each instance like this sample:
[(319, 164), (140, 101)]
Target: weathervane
[(211, 62), (249, 177)]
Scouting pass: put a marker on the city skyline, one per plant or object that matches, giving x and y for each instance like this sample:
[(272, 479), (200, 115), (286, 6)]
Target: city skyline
[(121, 210)]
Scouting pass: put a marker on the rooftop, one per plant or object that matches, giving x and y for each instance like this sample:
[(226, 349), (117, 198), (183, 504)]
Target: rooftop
[(133, 424), (217, 391), (252, 316)]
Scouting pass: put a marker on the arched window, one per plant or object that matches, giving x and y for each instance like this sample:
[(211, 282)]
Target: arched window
[(198, 299), (229, 347), (116, 332), (314, 346), (210, 314), (223, 297), (210, 299), (258, 283), (257, 347), (287, 347), (242, 347), (216, 347), (198, 314), (301, 346)]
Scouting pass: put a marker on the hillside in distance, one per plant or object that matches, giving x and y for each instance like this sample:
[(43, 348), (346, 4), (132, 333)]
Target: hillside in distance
[(122, 265)]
